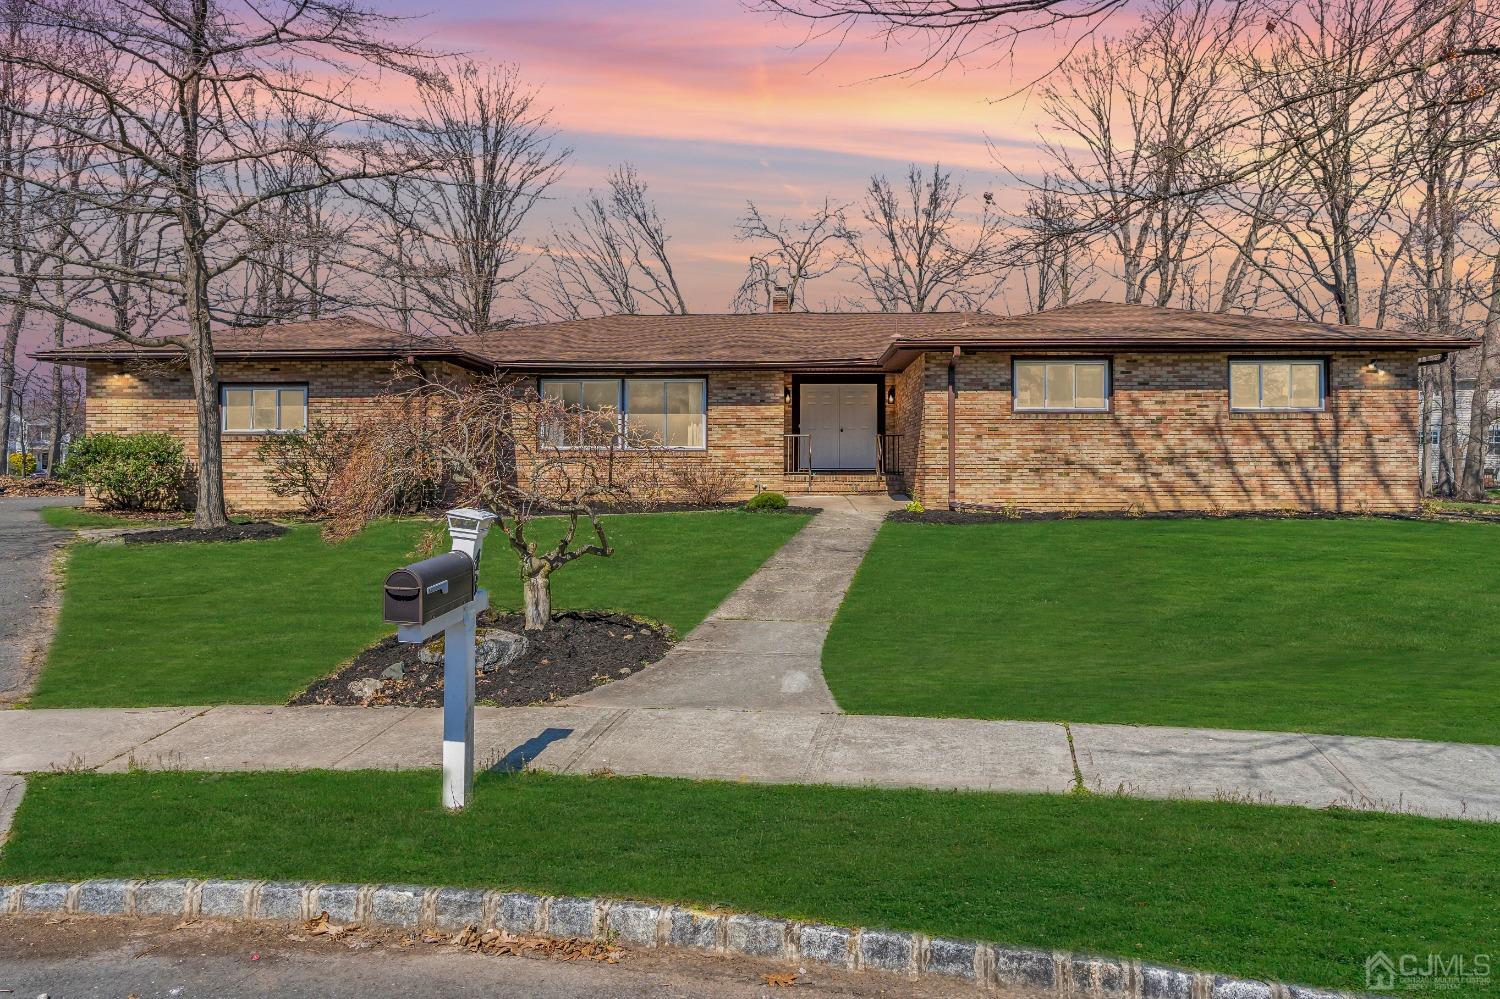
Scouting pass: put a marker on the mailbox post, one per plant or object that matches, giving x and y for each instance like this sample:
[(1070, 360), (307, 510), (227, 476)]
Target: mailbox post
[(441, 594)]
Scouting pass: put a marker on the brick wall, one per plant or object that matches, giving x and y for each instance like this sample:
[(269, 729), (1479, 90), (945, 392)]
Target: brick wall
[(746, 415), (1171, 443)]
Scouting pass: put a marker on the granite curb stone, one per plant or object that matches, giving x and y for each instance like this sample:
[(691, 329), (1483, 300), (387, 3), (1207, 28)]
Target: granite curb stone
[(646, 925)]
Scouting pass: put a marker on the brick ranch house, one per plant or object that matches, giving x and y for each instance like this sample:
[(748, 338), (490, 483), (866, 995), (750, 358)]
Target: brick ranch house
[(1093, 406)]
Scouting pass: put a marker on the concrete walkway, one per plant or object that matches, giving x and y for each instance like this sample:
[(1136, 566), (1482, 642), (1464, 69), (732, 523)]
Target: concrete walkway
[(763, 647), (1428, 778), (26, 547)]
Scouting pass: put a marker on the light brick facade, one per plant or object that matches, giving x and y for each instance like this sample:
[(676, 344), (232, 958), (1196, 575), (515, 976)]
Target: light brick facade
[(1169, 441)]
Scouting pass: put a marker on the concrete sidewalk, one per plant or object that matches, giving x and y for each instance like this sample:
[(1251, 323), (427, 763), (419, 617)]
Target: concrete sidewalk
[(762, 648), (1428, 778)]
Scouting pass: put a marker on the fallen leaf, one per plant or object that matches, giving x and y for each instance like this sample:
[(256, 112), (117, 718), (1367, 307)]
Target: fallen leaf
[(185, 924), (780, 979), (318, 925)]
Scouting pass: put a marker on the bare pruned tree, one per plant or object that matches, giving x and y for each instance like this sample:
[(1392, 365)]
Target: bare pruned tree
[(503, 447), (172, 91), (919, 251), (612, 259)]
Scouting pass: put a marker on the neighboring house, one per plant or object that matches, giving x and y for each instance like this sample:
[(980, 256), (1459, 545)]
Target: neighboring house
[(33, 437), (1093, 406), (1467, 367)]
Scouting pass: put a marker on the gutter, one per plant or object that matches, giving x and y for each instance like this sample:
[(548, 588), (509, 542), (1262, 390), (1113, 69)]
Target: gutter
[(952, 425)]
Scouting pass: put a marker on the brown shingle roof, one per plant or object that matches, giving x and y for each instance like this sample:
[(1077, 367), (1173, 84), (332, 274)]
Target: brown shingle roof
[(790, 340), (337, 337), (1102, 325), (760, 340)]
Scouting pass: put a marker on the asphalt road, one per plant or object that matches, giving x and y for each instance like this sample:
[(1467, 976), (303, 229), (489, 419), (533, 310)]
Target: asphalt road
[(26, 545), (149, 958)]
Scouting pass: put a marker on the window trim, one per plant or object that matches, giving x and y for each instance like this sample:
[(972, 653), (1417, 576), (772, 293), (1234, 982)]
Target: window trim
[(225, 387), (1323, 383), (1109, 383), (622, 396)]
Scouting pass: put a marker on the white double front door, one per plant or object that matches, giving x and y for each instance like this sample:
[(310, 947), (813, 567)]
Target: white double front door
[(840, 421)]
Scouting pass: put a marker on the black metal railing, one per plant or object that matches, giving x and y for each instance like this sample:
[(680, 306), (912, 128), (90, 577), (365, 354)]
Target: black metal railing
[(889, 454)]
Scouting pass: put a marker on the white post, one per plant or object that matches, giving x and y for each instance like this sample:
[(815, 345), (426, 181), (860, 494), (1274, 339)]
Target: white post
[(458, 709), (467, 528)]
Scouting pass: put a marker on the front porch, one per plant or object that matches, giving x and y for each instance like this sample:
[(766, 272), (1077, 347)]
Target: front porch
[(836, 439)]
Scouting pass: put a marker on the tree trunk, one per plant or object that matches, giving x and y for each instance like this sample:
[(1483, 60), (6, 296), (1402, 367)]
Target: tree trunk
[(208, 511), (538, 600), (1471, 475), (1447, 485), (8, 365), (55, 431)]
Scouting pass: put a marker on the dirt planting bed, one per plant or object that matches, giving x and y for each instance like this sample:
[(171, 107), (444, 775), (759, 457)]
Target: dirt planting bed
[(578, 651), (234, 532)]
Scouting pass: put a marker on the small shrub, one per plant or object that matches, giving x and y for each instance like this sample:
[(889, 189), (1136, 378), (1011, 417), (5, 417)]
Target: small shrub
[(130, 471), (22, 464), (913, 506), (302, 465), (767, 501), (704, 482)]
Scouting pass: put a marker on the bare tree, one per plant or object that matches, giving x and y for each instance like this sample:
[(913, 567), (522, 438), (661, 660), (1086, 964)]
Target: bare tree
[(792, 253), (505, 448), (612, 259), (920, 252), (173, 87), (946, 32), (1141, 120), (1052, 250), (450, 244)]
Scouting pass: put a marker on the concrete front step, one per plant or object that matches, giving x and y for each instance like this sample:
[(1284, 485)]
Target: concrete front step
[(842, 484)]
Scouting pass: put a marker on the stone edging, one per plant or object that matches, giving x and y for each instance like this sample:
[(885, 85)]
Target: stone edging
[(647, 925)]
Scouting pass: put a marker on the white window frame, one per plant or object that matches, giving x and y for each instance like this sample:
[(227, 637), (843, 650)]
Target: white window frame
[(278, 387), (702, 384), (622, 396), (1260, 363), (1074, 362)]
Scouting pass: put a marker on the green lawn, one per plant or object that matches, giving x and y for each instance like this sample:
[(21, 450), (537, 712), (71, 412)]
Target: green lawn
[(1285, 893), (1363, 627), (254, 622)]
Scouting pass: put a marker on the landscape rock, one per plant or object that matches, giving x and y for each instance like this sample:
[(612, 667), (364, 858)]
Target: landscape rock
[(365, 689), (494, 648)]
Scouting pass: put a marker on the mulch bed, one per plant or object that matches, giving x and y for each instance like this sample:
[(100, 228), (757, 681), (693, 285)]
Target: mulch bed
[(13, 486), (577, 652), (259, 531)]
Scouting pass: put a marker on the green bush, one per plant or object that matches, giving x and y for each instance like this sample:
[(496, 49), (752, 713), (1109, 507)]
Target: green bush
[(130, 471), (766, 501), (303, 464), (22, 464), (915, 506)]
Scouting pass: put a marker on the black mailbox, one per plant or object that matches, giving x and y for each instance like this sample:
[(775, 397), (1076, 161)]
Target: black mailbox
[(426, 590)]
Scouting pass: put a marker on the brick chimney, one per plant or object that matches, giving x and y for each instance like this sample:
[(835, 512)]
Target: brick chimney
[(781, 299)]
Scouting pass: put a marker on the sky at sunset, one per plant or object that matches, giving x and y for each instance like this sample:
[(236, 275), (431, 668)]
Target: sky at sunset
[(716, 103)]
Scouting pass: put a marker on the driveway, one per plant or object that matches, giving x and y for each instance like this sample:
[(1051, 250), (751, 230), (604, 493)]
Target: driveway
[(26, 547)]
